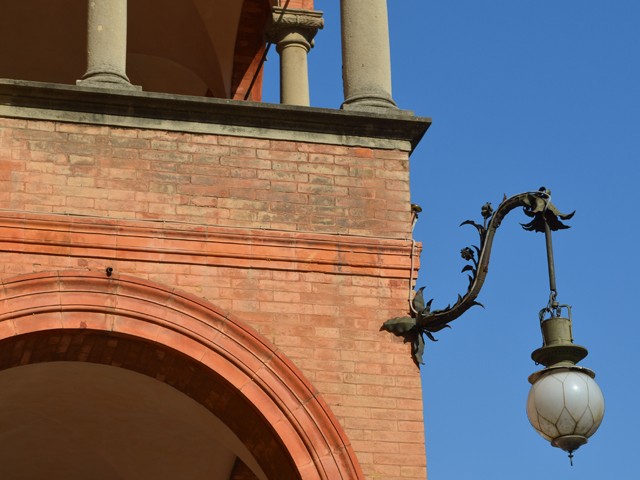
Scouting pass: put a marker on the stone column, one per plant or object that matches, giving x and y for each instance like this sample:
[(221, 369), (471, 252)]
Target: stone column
[(366, 60), (292, 30), (107, 45)]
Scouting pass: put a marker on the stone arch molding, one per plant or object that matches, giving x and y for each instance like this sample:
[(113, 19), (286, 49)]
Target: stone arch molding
[(232, 370)]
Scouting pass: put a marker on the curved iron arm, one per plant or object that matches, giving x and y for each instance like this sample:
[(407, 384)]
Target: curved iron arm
[(545, 216)]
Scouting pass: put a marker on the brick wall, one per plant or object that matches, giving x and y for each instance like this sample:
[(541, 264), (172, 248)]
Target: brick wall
[(306, 242), (204, 179)]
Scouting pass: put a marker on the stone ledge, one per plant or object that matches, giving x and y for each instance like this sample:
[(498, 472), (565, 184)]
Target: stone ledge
[(395, 129)]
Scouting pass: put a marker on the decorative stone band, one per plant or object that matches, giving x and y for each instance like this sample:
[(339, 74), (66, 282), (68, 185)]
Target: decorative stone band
[(145, 241)]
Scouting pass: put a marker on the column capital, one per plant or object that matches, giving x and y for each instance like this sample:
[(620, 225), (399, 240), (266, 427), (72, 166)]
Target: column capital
[(294, 26)]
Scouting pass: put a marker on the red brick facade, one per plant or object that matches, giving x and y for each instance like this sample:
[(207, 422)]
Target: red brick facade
[(205, 179), (269, 261)]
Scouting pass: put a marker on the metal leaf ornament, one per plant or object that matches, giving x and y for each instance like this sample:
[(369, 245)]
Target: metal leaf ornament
[(542, 213), (423, 321), (408, 328)]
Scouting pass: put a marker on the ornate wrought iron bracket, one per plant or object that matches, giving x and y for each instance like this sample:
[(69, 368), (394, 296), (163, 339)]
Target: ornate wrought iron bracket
[(422, 322)]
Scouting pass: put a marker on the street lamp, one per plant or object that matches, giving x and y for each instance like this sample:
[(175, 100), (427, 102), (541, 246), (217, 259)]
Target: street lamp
[(565, 405)]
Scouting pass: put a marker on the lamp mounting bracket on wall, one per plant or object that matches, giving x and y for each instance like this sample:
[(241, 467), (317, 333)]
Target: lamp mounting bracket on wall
[(545, 217)]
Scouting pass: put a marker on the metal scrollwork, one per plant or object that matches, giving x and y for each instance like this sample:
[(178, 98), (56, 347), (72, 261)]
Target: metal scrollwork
[(425, 322)]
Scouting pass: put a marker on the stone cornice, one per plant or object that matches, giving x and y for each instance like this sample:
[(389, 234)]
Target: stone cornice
[(158, 242), (395, 129)]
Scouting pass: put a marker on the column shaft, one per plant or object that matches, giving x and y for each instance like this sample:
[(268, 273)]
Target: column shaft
[(366, 59), (292, 30), (294, 78), (106, 45)]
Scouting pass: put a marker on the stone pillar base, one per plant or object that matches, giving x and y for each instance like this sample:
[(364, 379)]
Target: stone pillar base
[(106, 80), (368, 103)]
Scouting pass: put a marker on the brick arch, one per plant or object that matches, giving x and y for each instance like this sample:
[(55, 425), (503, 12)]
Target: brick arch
[(188, 343)]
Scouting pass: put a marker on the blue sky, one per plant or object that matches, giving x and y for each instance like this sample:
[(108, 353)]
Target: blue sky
[(522, 94)]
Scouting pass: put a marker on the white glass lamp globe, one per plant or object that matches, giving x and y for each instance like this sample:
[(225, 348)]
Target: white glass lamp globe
[(566, 407)]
